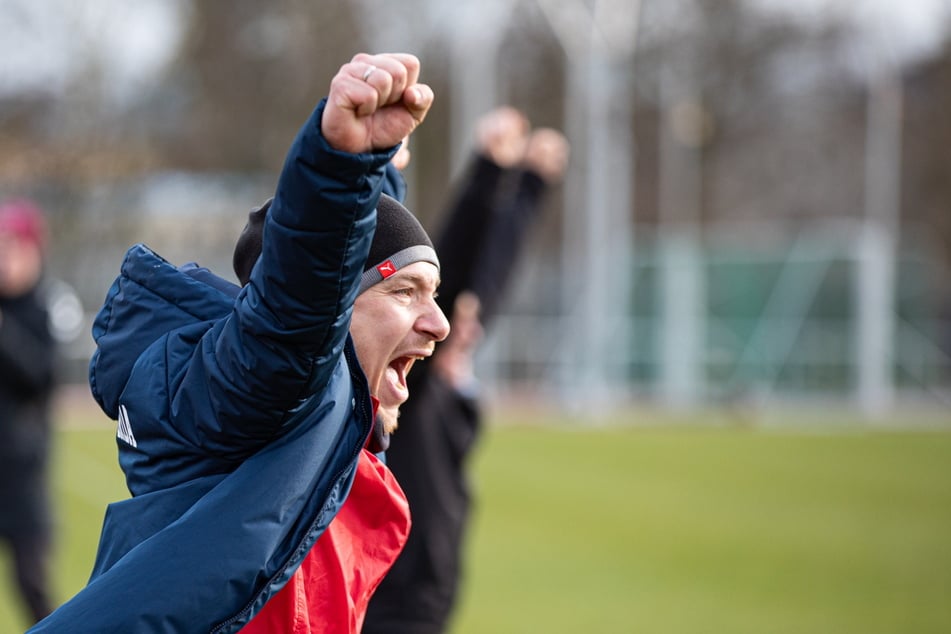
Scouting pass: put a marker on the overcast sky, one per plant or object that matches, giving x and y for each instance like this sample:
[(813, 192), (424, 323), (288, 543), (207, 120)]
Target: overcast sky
[(896, 30), (42, 43)]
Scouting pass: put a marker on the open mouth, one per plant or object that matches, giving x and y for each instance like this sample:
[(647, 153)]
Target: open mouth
[(394, 379), (396, 373), (400, 368)]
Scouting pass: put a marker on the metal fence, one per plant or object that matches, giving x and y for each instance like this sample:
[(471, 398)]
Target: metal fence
[(768, 324)]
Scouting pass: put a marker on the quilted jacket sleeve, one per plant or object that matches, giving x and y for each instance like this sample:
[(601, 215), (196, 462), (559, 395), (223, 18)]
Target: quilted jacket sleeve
[(289, 324)]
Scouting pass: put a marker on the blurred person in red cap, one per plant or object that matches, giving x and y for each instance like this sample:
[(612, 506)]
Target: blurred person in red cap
[(27, 365)]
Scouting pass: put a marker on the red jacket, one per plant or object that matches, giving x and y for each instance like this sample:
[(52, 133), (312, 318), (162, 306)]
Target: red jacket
[(331, 589)]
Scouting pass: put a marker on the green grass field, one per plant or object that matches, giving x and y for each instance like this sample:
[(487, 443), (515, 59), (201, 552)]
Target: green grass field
[(657, 528)]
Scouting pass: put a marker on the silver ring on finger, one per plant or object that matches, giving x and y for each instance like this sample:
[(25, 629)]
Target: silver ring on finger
[(369, 71)]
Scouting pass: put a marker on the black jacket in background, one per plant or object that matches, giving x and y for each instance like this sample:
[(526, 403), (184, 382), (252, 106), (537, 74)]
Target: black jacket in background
[(438, 426), (27, 363)]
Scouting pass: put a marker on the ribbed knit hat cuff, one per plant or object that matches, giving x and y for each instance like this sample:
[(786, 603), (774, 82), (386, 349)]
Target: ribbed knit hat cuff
[(397, 261)]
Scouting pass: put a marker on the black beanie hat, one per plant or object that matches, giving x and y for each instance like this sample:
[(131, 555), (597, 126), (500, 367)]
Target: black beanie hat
[(399, 240)]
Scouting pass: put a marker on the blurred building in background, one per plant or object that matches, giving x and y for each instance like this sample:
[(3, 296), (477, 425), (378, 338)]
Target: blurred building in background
[(758, 209)]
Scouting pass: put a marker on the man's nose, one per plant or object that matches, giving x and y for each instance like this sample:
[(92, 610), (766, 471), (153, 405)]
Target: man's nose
[(434, 322)]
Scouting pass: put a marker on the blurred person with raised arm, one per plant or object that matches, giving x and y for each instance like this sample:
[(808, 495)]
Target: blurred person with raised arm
[(496, 204)]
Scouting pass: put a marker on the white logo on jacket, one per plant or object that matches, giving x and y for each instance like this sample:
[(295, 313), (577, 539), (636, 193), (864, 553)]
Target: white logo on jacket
[(124, 430)]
